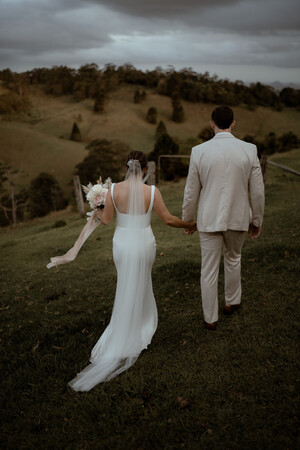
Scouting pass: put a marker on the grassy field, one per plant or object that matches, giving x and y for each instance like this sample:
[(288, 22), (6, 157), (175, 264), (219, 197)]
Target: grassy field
[(40, 141), (239, 383)]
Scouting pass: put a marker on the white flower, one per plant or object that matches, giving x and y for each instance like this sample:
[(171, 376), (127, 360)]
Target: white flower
[(96, 194)]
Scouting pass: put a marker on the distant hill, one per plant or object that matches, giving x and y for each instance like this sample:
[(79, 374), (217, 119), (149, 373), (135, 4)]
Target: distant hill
[(279, 86)]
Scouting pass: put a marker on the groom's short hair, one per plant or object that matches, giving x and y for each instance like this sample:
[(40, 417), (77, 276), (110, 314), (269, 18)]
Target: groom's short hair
[(222, 117)]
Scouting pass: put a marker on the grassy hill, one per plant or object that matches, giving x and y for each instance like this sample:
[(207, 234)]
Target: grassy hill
[(240, 382), (40, 141)]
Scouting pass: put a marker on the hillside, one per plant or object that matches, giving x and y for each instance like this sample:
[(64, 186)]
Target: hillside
[(246, 370), (40, 141)]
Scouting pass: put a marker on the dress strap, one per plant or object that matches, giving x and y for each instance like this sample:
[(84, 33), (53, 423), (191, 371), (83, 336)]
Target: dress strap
[(152, 197), (112, 195)]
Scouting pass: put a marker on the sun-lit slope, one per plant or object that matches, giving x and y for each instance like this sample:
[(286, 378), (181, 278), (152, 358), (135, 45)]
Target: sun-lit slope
[(34, 152), (125, 120)]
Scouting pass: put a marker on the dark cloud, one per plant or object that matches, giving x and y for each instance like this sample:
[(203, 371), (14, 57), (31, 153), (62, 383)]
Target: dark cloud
[(32, 27), (204, 34), (242, 15), (161, 8)]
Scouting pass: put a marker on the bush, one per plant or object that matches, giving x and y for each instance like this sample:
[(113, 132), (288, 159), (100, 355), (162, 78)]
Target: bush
[(206, 134), (170, 168), (100, 101), (104, 159), (151, 116), (160, 130), (59, 224), (13, 103), (271, 143), (288, 141), (45, 195), (75, 134), (178, 112)]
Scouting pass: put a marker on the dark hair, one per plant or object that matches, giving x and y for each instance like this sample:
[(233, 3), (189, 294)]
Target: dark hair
[(140, 156), (222, 117)]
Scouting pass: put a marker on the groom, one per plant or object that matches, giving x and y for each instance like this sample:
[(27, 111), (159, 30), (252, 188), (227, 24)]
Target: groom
[(225, 184)]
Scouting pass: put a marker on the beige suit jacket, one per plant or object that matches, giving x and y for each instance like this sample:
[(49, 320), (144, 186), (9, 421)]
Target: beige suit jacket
[(225, 184)]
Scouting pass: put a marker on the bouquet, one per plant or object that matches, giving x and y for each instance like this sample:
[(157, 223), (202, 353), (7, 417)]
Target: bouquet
[(96, 194)]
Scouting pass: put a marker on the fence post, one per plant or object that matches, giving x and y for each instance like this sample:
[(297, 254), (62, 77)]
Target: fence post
[(151, 173), (78, 195)]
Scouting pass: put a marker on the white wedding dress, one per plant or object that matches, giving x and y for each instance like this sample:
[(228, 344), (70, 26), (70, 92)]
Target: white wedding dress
[(134, 316)]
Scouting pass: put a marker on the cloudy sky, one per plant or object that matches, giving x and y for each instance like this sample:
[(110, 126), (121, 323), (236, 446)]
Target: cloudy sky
[(249, 40)]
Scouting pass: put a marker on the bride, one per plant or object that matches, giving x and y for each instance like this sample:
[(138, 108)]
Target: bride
[(134, 316)]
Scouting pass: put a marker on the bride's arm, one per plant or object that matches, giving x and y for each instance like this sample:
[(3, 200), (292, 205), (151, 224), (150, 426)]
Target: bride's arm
[(164, 214), (106, 215)]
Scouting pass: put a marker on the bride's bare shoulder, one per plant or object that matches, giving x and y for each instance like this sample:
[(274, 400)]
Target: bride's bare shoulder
[(119, 185)]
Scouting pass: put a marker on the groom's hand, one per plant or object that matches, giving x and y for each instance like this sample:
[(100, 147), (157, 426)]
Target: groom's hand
[(254, 231), (192, 230)]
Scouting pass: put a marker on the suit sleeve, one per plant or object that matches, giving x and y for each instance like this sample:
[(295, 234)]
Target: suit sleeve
[(256, 192), (191, 191)]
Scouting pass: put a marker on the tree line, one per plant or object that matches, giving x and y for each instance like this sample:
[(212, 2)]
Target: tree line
[(90, 81)]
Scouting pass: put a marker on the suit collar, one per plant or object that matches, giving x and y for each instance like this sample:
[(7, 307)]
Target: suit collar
[(223, 134)]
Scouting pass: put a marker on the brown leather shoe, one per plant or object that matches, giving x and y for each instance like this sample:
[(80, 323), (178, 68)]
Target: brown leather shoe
[(210, 326), (230, 309)]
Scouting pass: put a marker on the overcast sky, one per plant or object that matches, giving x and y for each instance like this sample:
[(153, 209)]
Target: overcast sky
[(249, 40)]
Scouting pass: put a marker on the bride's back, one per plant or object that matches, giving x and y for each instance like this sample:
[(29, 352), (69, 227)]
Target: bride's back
[(121, 196)]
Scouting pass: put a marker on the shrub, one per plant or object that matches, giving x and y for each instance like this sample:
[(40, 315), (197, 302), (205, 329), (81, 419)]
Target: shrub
[(137, 97), (59, 224), (206, 134), (288, 141), (13, 103), (160, 130), (75, 134), (45, 195), (151, 116), (100, 101), (178, 112), (104, 159), (170, 168)]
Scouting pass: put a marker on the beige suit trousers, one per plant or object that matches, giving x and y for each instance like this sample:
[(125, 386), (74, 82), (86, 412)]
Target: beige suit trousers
[(211, 249)]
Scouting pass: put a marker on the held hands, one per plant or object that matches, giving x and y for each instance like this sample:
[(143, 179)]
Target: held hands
[(191, 229), (254, 231)]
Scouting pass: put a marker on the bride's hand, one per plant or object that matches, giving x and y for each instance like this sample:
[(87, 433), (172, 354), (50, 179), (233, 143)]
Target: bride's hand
[(191, 229)]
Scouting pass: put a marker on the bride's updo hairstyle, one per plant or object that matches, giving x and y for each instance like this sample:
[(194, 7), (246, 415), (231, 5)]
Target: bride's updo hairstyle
[(139, 156)]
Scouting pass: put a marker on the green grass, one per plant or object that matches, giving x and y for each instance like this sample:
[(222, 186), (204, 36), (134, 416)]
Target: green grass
[(240, 381)]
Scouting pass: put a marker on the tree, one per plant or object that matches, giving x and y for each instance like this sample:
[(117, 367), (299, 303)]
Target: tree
[(45, 195), (290, 97), (288, 141), (271, 143), (13, 195), (206, 134), (60, 81), (178, 112), (151, 116), (165, 145), (75, 134), (160, 130), (100, 100), (137, 96), (13, 103), (104, 159)]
